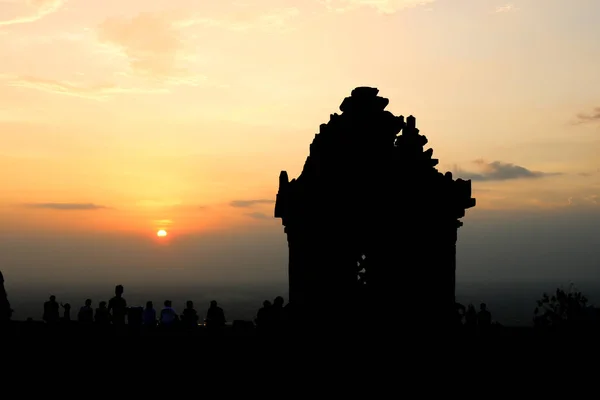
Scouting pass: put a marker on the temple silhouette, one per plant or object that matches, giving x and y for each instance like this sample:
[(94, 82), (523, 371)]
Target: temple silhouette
[(371, 223)]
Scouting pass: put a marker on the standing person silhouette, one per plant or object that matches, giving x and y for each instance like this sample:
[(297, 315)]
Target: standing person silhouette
[(86, 313), (264, 317), (484, 318), (51, 311), (118, 306)]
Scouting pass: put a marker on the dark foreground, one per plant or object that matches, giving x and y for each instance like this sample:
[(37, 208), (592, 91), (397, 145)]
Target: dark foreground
[(247, 328)]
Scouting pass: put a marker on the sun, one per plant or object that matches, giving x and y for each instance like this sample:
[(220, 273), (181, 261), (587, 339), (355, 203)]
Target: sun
[(161, 233)]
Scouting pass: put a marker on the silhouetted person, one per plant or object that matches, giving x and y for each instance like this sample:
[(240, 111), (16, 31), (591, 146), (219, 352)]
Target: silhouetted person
[(149, 316), (67, 312), (51, 311), (471, 318), (278, 311), (190, 315), (168, 316), (102, 316), (484, 317), (460, 313), (86, 313), (264, 317), (5, 310), (118, 306), (215, 317)]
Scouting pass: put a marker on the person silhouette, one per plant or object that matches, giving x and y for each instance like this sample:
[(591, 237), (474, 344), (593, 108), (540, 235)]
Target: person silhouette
[(484, 317), (51, 311), (102, 316), (149, 316), (67, 312), (459, 314), (277, 312), (215, 317), (86, 313), (118, 306), (471, 316), (168, 316), (264, 317), (190, 315)]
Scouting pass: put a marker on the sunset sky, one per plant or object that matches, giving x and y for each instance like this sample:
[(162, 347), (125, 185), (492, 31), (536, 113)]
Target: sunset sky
[(122, 117)]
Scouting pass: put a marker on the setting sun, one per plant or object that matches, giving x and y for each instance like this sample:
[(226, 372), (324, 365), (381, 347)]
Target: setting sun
[(161, 233)]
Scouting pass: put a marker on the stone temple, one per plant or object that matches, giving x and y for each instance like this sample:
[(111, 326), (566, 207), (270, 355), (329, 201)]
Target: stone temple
[(371, 223)]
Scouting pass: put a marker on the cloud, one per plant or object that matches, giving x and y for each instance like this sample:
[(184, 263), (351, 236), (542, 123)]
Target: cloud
[(156, 43), (95, 92), (594, 198), (586, 174), (506, 8), (258, 215), (66, 206), (249, 203), (153, 44), (34, 10), (594, 116), (589, 200), (381, 6), (151, 41), (500, 171), (189, 207), (244, 20)]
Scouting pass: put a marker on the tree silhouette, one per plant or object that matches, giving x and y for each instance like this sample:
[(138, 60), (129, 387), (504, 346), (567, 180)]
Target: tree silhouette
[(561, 309)]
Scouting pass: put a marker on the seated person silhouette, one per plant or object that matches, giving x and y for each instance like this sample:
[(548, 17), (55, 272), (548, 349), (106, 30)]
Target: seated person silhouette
[(190, 315), (102, 315), (168, 316), (51, 312), (215, 317), (149, 316), (86, 313), (118, 306)]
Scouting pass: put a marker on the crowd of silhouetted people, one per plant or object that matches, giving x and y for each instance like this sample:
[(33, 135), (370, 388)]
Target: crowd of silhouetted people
[(116, 316), (472, 321)]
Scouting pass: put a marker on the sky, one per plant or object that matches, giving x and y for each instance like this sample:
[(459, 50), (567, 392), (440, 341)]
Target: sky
[(119, 118)]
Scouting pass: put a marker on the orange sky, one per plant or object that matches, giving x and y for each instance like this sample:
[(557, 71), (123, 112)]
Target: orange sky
[(146, 113)]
